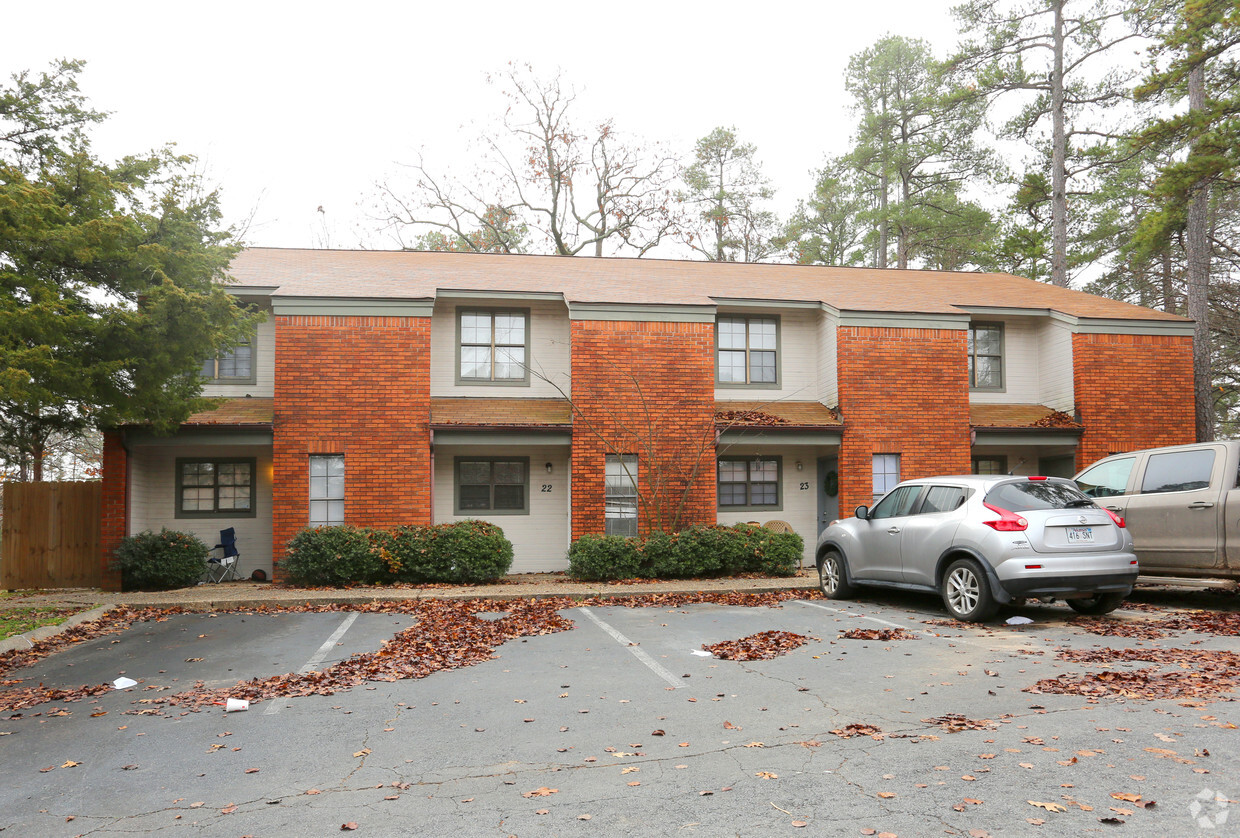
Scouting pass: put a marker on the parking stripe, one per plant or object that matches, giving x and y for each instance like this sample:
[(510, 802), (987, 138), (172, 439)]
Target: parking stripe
[(317, 658), (865, 617), (637, 651)]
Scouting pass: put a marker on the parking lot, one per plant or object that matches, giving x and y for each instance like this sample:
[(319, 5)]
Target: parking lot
[(617, 725)]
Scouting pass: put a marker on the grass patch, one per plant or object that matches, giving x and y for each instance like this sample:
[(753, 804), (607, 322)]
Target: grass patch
[(15, 620)]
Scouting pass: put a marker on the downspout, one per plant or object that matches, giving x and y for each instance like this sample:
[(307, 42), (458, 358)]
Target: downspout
[(432, 477)]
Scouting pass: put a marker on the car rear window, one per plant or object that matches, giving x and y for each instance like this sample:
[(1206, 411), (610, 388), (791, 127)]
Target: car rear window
[(1036, 494)]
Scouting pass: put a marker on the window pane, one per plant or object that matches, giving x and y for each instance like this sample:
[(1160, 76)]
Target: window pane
[(474, 472), (732, 367), (731, 332), (197, 500), (764, 494), (731, 471), (762, 367), (986, 372), (510, 362), (475, 497), (318, 466), (1180, 471), (236, 364), (510, 329), (763, 470), (510, 497), (762, 333), (942, 499), (732, 494), (475, 362), (208, 368), (318, 513), (1107, 480), (476, 328), (335, 486), (509, 472), (987, 341)]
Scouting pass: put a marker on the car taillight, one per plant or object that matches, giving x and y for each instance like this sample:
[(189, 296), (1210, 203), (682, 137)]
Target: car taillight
[(1036, 477), (1008, 521), (1119, 521)]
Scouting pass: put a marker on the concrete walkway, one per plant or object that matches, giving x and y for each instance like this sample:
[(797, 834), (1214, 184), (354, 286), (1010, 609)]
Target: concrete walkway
[(249, 594)]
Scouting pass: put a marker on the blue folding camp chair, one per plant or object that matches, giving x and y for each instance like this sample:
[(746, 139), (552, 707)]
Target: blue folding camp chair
[(224, 567)]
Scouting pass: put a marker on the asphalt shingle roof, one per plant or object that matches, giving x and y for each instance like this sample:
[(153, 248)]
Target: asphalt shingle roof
[(415, 275)]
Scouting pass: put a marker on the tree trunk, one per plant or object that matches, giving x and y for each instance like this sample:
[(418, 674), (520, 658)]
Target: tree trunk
[(1059, 154), (1197, 249), (1168, 288)]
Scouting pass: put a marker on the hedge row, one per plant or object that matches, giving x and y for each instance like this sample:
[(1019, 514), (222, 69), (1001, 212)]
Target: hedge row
[(157, 561), (691, 553), (462, 552)]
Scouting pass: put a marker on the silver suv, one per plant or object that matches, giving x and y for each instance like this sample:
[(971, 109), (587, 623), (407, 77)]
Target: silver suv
[(981, 542)]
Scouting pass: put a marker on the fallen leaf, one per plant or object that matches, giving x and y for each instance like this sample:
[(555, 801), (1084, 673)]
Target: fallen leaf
[(799, 824), (767, 775), (1050, 807), (348, 827), (583, 817), (1127, 797), (70, 764), (1035, 821), (251, 771), (229, 809), (539, 792), (363, 752), (313, 791), (635, 783), (886, 795)]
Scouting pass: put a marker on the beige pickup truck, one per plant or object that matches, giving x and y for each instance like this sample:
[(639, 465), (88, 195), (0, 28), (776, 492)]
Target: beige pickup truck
[(1180, 503)]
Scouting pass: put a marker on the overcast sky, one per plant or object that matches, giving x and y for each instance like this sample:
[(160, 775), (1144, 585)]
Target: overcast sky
[(300, 105)]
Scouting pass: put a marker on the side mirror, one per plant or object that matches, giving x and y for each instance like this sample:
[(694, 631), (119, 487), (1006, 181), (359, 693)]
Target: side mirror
[(862, 512)]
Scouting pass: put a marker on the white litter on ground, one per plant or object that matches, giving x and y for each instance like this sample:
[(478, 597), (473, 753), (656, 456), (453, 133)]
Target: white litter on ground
[(1018, 621), (124, 683), (702, 653)]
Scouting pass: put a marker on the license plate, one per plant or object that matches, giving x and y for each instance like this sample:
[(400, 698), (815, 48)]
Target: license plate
[(1080, 534)]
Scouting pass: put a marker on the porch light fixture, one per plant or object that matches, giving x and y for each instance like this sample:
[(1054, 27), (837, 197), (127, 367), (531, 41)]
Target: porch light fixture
[(548, 467)]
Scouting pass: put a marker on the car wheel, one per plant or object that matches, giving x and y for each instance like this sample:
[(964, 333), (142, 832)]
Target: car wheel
[(833, 576), (1096, 604), (966, 592)]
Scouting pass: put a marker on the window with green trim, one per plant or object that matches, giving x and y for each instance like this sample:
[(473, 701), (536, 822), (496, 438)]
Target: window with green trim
[(749, 483), (493, 346), (215, 488), (492, 485), (748, 350), (236, 366), (986, 356)]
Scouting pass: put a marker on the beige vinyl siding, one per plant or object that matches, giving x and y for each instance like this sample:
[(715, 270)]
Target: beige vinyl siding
[(800, 506), (539, 539), (828, 372), (265, 369), (549, 337), (152, 499), (1020, 364), (1055, 385), (798, 357)]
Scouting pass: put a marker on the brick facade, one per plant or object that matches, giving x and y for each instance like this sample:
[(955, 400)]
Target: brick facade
[(667, 420), (114, 515), (1132, 391), (906, 392), (357, 386)]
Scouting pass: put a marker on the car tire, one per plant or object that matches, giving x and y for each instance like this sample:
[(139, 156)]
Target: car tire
[(966, 593), (1097, 604), (833, 576)]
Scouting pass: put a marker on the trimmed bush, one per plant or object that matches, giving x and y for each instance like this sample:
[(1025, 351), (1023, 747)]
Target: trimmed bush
[(152, 561), (333, 556), (468, 552), (694, 552), (596, 558)]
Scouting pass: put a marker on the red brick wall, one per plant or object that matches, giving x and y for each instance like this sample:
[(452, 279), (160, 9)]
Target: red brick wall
[(906, 392), (646, 389), (1132, 391), (114, 512), (357, 386)]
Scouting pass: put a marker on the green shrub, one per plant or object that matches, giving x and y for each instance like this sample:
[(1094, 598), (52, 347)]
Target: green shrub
[(407, 555), (152, 561), (467, 552), (597, 558), (657, 557), (699, 552), (776, 553), (333, 556)]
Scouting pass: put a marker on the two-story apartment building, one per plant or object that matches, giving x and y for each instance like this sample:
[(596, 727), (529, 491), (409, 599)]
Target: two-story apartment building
[(559, 396)]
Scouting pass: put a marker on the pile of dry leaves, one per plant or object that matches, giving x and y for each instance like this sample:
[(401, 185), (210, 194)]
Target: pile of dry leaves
[(757, 647)]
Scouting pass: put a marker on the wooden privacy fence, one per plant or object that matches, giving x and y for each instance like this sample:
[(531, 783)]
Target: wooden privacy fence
[(50, 535)]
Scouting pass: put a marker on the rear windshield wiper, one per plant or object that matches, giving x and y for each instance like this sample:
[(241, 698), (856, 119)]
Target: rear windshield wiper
[(1078, 502)]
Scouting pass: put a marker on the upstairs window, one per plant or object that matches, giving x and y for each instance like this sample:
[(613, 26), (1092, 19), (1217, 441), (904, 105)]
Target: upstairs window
[(986, 356), (233, 367), (493, 347), (885, 473), (748, 351)]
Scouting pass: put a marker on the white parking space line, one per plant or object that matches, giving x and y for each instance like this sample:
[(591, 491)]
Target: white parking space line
[(637, 651), (317, 658), (864, 617)]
